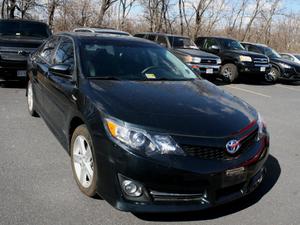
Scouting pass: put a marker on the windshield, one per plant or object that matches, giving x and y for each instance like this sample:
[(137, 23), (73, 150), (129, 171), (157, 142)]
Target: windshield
[(182, 42), (271, 53), (24, 28), (297, 56), (133, 61), (229, 44)]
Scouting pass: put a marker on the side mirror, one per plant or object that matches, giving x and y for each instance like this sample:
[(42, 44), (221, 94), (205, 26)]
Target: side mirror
[(163, 44), (214, 48), (63, 70)]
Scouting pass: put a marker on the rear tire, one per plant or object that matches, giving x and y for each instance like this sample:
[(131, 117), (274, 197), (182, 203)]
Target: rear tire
[(83, 161), (30, 100), (273, 75), (229, 72)]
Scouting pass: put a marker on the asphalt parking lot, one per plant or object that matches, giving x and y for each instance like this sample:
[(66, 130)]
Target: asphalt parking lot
[(37, 187)]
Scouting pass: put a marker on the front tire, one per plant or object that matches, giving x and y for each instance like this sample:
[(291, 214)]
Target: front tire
[(30, 100), (229, 72), (83, 161), (273, 76)]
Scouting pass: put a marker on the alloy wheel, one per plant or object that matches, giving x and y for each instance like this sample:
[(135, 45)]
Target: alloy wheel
[(83, 161)]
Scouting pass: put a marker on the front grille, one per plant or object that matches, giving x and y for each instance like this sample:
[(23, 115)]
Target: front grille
[(260, 61), (175, 197), (216, 153), (208, 61)]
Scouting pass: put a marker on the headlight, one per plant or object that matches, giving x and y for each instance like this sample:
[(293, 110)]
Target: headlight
[(140, 140), (190, 59), (244, 58), (219, 61), (261, 127), (285, 66)]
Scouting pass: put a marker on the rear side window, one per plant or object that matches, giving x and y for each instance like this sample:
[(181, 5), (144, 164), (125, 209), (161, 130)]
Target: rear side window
[(65, 53), (253, 49), (48, 49), (209, 42), (162, 41), (151, 37)]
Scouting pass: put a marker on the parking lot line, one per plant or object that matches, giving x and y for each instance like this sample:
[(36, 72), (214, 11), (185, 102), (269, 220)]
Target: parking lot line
[(249, 91), (289, 88)]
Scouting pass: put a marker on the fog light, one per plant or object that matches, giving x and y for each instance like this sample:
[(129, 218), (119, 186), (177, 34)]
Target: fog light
[(131, 188)]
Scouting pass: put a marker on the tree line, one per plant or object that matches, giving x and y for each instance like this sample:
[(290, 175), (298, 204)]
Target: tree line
[(263, 21)]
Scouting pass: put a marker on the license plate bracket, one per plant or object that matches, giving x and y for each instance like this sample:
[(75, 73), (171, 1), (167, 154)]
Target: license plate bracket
[(21, 73), (209, 71)]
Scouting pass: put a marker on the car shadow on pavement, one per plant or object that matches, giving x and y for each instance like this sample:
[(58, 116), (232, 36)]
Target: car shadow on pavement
[(271, 177)]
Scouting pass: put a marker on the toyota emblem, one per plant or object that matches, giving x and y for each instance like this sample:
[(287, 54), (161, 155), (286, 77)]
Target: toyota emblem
[(232, 146)]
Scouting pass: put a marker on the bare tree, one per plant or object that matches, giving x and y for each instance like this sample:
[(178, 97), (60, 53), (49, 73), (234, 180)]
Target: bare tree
[(105, 5), (125, 7), (200, 11)]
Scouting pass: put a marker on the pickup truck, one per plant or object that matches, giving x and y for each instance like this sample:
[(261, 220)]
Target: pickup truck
[(19, 38), (203, 63), (236, 60)]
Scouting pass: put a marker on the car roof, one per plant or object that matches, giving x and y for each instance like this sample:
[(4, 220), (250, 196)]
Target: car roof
[(103, 30), (105, 36), (163, 34), (217, 37), (23, 21), (256, 44)]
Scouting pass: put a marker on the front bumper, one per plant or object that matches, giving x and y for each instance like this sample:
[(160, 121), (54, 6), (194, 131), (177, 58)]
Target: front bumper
[(177, 183), (206, 69), (291, 74), (254, 68)]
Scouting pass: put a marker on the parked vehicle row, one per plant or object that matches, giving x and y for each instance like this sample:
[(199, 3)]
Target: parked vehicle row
[(184, 48)]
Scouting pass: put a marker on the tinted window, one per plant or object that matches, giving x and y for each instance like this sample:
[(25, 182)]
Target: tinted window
[(151, 37), (131, 61), (65, 53), (229, 44), (253, 49), (139, 35), (210, 42), (200, 42), (287, 57), (182, 42), (271, 53), (48, 49), (24, 28), (162, 41)]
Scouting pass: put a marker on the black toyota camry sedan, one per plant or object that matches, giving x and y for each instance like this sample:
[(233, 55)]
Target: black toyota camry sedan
[(143, 131)]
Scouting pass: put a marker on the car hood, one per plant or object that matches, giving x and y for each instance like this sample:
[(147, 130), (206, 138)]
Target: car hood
[(196, 108), (194, 53), (246, 53), (285, 61)]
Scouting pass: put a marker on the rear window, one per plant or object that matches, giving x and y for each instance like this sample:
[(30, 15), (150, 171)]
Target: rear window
[(24, 28)]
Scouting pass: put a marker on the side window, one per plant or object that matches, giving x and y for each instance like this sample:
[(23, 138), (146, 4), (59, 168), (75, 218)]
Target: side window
[(65, 53), (151, 37), (209, 42), (139, 35), (287, 57), (48, 49), (162, 41), (253, 49), (200, 42)]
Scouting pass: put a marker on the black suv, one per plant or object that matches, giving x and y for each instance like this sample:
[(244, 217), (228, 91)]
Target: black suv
[(184, 48), (281, 68), (235, 59), (18, 38)]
